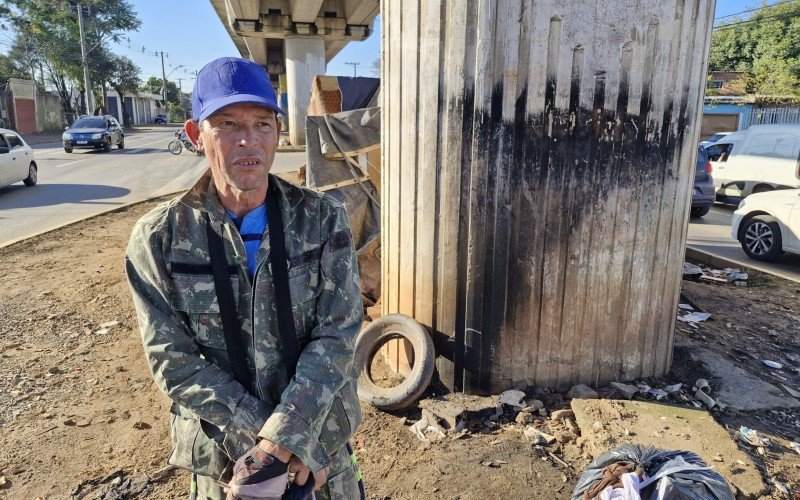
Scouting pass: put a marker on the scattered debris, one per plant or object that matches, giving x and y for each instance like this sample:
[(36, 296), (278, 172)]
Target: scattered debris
[(513, 397), (562, 415), (685, 307), (538, 437), (443, 411), (581, 391), (533, 405), (751, 437), (773, 364), (524, 418), (627, 390), (108, 324), (694, 317), (691, 270), (796, 446)]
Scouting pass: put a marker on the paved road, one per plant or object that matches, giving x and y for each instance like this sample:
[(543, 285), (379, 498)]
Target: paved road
[(712, 233), (73, 186)]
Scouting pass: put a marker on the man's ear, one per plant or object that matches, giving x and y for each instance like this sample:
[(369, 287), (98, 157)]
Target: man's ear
[(193, 133)]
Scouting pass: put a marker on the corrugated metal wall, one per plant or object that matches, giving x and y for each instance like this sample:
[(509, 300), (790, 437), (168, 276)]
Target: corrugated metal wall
[(538, 161)]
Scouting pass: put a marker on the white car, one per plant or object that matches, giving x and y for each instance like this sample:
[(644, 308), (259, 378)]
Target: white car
[(16, 160), (768, 224)]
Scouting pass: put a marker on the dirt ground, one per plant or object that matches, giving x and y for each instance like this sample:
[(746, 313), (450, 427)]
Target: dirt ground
[(80, 415)]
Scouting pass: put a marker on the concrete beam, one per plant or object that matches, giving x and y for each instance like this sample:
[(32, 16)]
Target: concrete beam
[(305, 11), (258, 50), (361, 11)]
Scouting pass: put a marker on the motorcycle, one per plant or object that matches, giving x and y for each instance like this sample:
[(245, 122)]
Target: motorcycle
[(181, 141)]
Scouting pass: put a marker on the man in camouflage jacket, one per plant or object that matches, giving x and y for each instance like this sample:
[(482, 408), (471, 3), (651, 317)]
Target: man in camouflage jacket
[(308, 418)]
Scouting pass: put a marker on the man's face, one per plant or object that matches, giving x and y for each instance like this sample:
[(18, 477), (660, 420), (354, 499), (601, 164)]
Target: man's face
[(240, 141)]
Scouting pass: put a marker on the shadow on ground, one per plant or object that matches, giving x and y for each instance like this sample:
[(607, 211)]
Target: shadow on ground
[(44, 195)]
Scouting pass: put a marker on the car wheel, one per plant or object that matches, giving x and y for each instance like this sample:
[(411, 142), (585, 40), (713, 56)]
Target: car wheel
[(32, 175), (107, 145), (121, 144), (700, 211), (68, 150), (761, 238)]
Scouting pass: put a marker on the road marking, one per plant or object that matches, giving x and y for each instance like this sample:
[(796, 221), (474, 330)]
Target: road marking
[(90, 157)]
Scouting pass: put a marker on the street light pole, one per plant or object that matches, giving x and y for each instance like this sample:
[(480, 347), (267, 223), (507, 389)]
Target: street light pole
[(84, 63), (164, 87)]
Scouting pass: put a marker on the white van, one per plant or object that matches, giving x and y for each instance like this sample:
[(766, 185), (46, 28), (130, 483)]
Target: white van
[(760, 159)]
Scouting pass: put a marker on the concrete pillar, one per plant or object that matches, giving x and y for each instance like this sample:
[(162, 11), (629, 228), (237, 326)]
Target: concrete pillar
[(537, 170), (305, 59)]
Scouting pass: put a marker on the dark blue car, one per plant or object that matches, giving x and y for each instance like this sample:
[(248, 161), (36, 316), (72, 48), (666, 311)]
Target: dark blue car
[(703, 193)]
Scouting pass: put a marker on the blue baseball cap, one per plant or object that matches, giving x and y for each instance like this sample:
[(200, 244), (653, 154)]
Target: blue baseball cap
[(231, 80)]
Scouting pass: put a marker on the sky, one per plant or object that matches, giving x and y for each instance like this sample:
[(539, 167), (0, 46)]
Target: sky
[(190, 34)]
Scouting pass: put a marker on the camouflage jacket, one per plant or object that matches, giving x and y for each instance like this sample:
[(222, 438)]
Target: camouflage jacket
[(169, 272)]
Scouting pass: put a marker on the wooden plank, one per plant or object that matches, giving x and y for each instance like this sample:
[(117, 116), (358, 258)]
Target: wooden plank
[(427, 215), (409, 169), (454, 100), (392, 127), (475, 340)]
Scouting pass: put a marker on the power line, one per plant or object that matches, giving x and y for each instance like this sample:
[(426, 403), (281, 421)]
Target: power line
[(779, 17), (764, 7)]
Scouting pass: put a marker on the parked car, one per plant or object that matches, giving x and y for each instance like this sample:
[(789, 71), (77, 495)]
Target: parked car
[(93, 132), (763, 158), (17, 162), (703, 193), (721, 149), (768, 224), (713, 138), (161, 119)]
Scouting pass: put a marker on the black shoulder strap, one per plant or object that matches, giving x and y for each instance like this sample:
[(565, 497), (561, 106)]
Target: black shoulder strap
[(227, 307), (280, 280)]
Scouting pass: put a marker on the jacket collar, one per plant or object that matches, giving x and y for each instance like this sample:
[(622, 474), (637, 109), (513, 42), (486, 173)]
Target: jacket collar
[(203, 197)]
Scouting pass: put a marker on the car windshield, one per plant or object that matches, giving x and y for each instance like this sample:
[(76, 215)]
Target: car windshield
[(89, 123)]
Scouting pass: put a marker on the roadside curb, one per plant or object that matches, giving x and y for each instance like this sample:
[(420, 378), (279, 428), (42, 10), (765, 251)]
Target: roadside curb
[(710, 259), (81, 219)]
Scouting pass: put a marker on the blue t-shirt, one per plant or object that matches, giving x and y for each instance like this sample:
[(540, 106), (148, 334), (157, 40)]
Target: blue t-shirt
[(251, 228)]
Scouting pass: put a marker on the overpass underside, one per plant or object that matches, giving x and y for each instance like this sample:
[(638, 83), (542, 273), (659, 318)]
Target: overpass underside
[(293, 40)]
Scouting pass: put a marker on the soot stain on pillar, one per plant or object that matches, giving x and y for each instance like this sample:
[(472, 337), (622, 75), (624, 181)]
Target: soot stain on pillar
[(583, 157)]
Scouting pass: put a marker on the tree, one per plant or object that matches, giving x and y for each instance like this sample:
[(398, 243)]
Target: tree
[(154, 84), (10, 69), (123, 79), (47, 30), (764, 46)]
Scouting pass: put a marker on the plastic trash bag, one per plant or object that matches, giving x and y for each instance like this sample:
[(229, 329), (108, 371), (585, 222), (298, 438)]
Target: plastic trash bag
[(673, 475)]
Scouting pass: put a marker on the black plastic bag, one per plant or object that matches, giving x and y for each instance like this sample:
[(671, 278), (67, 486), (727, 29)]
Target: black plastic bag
[(674, 475)]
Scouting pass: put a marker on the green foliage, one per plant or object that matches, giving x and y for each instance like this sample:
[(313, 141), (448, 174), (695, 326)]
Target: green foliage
[(177, 113), (46, 35), (154, 84), (764, 46)]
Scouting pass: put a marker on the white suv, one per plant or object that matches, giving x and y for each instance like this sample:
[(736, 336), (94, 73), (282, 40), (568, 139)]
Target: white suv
[(768, 224)]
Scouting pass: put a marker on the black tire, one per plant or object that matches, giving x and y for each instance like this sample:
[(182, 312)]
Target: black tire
[(33, 175), (107, 145), (371, 339), (761, 238), (700, 211), (68, 150), (121, 144), (175, 147)]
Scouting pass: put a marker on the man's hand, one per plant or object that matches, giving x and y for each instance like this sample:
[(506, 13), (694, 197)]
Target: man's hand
[(301, 473), (276, 450), (258, 474)]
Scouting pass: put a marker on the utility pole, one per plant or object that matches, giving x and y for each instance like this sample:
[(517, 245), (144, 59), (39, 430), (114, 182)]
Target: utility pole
[(164, 87), (84, 63), (353, 64)]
